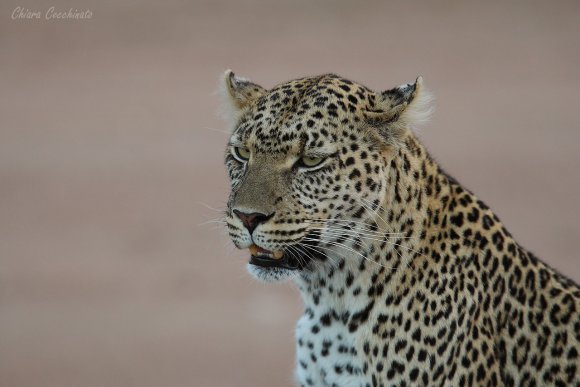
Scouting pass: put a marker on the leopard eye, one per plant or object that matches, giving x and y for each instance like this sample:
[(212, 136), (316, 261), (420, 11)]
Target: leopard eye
[(310, 162), (241, 153)]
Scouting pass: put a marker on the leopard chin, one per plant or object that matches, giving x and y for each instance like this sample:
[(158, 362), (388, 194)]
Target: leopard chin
[(271, 274)]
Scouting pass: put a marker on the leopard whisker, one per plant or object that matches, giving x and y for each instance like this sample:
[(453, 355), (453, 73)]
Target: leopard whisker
[(354, 251), (211, 208), (379, 236), (212, 221), (316, 250), (363, 224), (365, 228)]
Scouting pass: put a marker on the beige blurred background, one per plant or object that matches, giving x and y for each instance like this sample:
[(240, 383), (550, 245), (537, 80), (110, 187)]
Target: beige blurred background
[(111, 160)]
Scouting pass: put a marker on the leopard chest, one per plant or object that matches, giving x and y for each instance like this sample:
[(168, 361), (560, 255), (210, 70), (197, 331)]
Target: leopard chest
[(356, 334), (328, 354)]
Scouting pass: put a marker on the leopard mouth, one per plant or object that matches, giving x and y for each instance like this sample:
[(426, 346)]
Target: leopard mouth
[(272, 259), (298, 257)]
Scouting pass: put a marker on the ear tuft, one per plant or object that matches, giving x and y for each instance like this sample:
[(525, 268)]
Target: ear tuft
[(420, 107), (238, 93)]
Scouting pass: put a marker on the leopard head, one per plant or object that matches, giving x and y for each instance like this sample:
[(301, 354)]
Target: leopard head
[(308, 164)]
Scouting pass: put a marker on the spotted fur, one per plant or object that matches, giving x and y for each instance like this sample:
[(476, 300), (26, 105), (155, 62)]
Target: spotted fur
[(408, 279)]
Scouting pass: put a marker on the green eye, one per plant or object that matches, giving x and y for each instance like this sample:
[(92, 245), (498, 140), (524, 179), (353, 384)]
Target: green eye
[(241, 153), (310, 162)]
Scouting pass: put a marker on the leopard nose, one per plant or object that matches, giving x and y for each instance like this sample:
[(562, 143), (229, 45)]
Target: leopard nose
[(252, 220)]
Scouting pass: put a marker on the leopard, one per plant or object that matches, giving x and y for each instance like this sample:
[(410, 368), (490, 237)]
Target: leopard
[(407, 278)]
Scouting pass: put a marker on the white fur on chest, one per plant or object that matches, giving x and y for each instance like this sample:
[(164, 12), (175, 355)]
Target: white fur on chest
[(327, 352), (327, 355)]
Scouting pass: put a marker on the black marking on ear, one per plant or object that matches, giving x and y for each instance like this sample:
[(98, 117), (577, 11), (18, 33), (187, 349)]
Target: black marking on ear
[(393, 103), (397, 109), (400, 95)]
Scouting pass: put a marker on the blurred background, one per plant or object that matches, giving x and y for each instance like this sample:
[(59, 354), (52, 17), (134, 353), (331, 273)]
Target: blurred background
[(111, 270)]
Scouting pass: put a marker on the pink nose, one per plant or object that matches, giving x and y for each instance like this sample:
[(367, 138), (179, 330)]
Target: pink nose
[(251, 221)]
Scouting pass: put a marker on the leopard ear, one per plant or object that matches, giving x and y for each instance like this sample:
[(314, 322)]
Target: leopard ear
[(239, 93), (401, 107)]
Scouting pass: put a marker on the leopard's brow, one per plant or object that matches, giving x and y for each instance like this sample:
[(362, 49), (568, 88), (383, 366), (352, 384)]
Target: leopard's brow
[(323, 151), (304, 149)]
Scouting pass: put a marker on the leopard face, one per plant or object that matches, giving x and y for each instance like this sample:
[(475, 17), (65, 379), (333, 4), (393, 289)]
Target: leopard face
[(307, 165)]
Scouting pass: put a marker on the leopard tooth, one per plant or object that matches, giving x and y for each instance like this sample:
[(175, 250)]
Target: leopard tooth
[(253, 250), (278, 254)]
